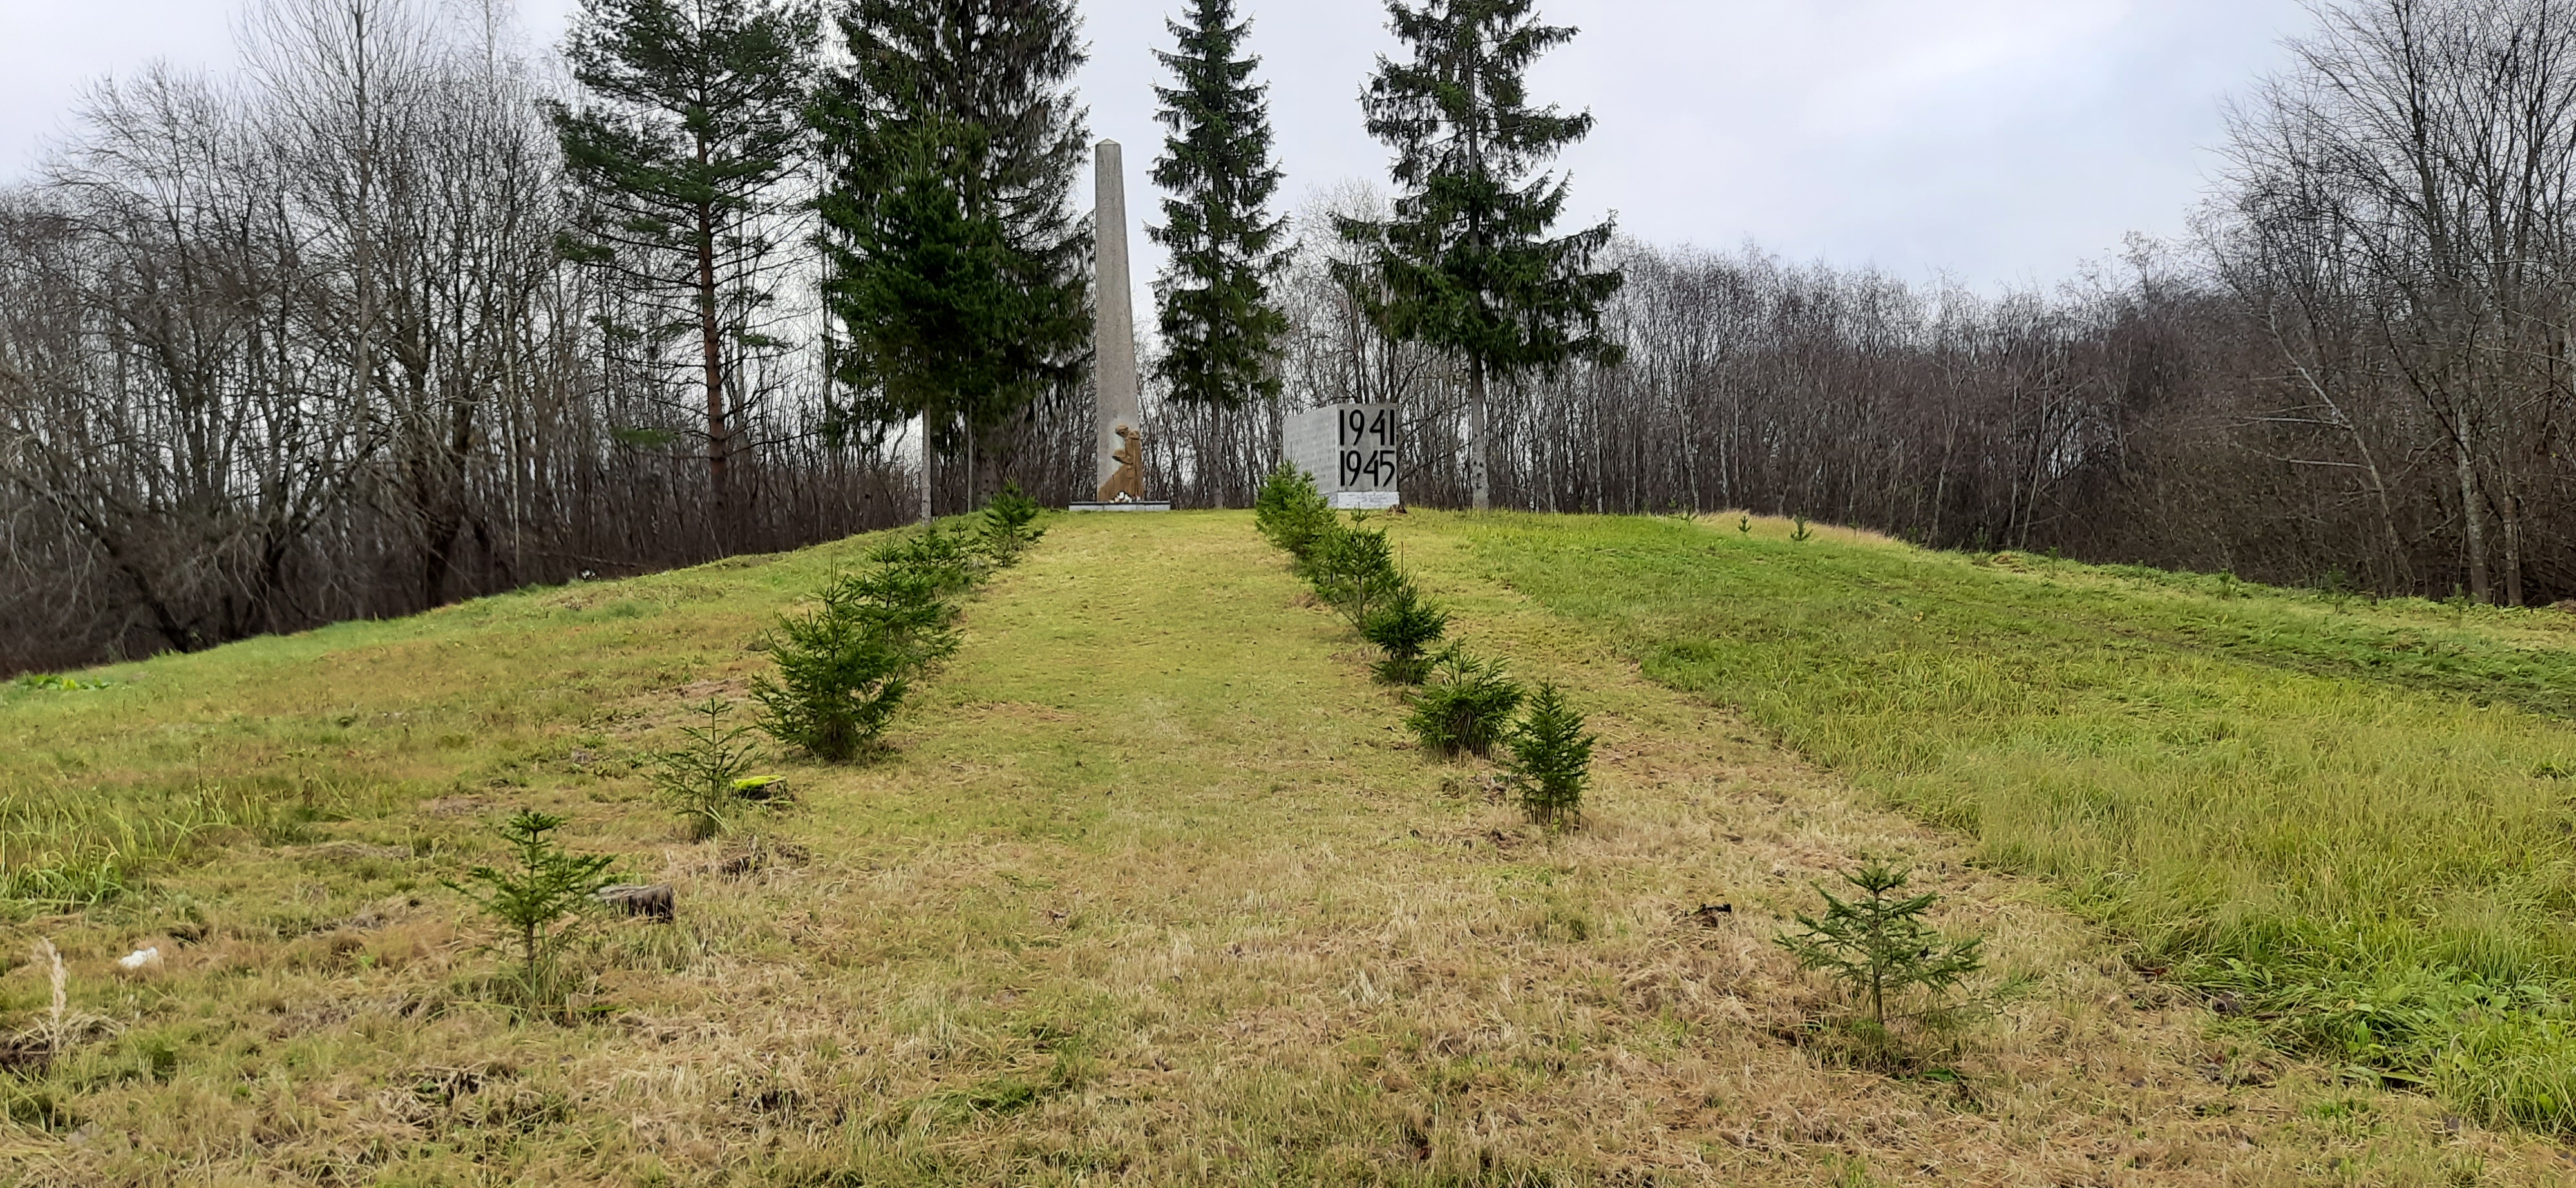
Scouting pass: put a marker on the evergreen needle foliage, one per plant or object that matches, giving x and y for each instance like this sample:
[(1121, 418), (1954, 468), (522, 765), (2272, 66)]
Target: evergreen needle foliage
[(954, 258), (1551, 759), (1354, 569), (1466, 264), (1877, 943), (1010, 525), (703, 779), (1291, 512), (1465, 705), (946, 561), (845, 666), (840, 677), (682, 150), (539, 900), (1220, 329), (1800, 533), (1405, 626)]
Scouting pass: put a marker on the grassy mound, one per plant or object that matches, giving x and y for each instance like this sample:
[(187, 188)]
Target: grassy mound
[(1154, 888), (2352, 817)]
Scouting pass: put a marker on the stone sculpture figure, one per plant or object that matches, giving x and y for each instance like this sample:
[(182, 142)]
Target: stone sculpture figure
[(1127, 483)]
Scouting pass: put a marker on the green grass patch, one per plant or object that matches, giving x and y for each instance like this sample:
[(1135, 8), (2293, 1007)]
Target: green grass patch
[(2348, 813), (110, 775)]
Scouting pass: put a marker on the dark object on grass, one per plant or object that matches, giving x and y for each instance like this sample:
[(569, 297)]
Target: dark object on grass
[(761, 854), (656, 900), (1710, 915), (28, 1053)]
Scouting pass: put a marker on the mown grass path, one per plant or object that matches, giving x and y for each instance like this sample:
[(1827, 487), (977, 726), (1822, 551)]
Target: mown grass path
[(1153, 891)]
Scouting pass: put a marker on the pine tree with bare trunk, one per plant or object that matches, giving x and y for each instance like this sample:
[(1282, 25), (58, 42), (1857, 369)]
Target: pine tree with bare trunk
[(684, 141)]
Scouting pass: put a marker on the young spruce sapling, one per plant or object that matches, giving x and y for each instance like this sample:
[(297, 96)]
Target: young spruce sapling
[(539, 899), (1878, 944)]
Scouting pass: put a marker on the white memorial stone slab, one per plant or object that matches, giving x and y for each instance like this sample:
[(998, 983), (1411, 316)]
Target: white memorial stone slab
[(1351, 451)]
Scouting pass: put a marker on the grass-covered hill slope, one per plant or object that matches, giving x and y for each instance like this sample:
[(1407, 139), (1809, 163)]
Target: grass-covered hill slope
[(1155, 890), (2354, 817)]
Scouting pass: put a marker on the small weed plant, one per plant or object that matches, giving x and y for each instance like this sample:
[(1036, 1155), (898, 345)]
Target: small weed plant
[(54, 683), (1551, 759), (703, 779), (1010, 525), (1877, 944), (1799, 531), (539, 900), (1405, 625), (1291, 512), (1465, 705)]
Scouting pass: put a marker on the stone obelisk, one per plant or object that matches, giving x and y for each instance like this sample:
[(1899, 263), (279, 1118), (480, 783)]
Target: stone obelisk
[(1114, 329)]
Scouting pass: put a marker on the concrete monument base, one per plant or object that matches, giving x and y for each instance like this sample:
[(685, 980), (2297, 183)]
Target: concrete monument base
[(1123, 505)]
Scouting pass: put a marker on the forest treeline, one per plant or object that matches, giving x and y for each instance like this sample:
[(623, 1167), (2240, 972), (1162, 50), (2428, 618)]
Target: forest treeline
[(2359, 373), (395, 316), (306, 345)]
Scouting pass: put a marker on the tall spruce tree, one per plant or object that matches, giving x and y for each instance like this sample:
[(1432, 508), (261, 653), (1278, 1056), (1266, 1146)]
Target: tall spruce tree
[(1219, 326), (957, 264), (687, 131), (1466, 262)]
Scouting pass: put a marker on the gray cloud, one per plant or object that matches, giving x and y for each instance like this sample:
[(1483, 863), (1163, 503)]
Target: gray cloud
[(2003, 141)]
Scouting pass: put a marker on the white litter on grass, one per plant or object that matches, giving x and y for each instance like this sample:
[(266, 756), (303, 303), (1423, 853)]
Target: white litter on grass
[(141, 958)]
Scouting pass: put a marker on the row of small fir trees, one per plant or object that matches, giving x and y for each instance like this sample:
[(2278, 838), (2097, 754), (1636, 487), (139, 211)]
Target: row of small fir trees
[(1877, 943), (845, 666), (1460, 703)]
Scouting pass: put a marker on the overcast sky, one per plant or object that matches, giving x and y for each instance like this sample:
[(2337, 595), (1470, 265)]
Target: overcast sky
[(1997, 141)]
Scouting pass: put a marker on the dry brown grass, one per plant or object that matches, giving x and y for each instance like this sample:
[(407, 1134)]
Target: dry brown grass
[(1155, 892)]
